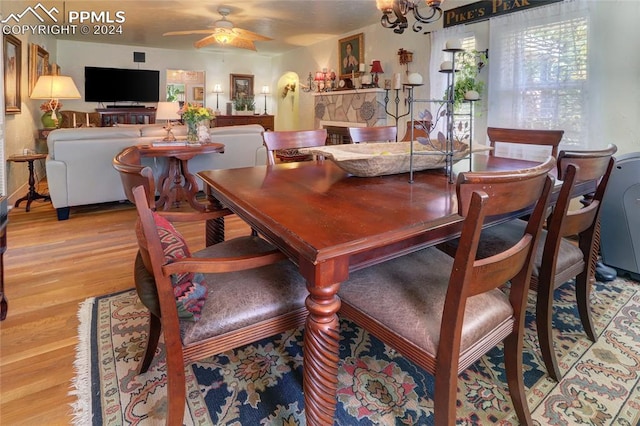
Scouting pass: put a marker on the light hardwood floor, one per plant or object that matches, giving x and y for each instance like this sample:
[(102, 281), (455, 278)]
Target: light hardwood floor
[(50, 267)]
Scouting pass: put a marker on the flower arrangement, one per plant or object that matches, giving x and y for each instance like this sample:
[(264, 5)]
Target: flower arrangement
[(49, 106), (194, 113)]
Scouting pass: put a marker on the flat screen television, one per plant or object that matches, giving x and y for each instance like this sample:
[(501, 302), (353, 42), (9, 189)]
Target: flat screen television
[(121, 85)]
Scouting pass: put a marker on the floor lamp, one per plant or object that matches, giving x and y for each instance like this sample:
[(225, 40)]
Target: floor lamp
[(265, 92)]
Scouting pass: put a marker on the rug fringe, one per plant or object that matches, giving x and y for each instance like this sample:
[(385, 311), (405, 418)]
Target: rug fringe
[(81, 384)]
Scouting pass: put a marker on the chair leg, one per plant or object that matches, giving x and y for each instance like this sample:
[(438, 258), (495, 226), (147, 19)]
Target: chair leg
[(155, 328), (446, 395), (176, 392), (515, 379), (544, 312), (583, 291)]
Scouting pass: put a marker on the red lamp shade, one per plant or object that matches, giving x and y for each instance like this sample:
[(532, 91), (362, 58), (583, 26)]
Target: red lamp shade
[(376, 67), (319, 76)]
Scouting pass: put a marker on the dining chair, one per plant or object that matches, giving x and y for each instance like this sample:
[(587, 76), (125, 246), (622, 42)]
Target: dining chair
[(373, 134), (532, 138), (204, 303), (558, 258), (287, 142), (444, 313)]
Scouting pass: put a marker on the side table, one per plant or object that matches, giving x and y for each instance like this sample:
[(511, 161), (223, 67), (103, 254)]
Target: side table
[(32, 194)]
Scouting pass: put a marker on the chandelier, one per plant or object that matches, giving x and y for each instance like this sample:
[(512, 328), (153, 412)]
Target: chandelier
[(400, 8)]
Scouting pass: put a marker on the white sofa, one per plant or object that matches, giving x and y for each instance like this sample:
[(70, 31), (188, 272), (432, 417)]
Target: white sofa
[(79, 164)]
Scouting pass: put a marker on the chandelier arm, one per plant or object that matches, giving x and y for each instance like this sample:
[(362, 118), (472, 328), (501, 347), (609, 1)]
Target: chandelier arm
[(429, 18)]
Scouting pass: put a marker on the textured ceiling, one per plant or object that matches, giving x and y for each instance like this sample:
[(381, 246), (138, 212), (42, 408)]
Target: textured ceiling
[(291, 24)]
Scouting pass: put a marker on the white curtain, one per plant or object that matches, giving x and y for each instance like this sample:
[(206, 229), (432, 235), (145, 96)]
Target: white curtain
[(538, 72), (438, 80)]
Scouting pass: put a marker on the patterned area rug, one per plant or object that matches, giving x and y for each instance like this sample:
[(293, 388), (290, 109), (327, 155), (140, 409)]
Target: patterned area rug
[(261, 384)]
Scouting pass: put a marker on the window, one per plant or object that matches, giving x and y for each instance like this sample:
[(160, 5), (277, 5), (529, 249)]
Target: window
[(538, 78)]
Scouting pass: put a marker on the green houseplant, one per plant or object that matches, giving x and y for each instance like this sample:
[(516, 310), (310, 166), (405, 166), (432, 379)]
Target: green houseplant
[(466, 79)]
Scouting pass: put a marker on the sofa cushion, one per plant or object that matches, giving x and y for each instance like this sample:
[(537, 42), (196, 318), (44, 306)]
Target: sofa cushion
[(232, 130), (188, 288)]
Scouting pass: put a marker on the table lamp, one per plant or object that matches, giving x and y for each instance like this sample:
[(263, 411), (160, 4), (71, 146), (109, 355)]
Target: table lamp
[(376, 68), (55, 87), (265, 92), (168, 111), (217, 89)]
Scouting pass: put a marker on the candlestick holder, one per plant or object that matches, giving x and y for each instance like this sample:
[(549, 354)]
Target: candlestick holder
[(396, 115)]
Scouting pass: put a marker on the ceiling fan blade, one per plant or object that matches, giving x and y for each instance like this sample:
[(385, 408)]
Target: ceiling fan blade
[(234, 42), (248, 35), (187, 32)]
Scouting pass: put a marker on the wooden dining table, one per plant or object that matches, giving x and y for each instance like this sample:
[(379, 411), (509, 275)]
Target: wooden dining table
[(330, 223)]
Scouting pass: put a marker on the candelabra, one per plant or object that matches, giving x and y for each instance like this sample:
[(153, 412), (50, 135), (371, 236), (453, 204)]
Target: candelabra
[(395, 115)]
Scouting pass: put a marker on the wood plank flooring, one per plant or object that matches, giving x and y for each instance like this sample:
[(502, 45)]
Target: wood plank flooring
[(50, 267)]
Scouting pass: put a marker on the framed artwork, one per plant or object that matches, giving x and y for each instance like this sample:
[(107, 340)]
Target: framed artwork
[(351, 54), (54, 69), (12, 71), (198, 93), (241, 85), (38, 64)]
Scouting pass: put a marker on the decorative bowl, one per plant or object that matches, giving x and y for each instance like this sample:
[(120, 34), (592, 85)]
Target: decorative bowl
[(387, 158)]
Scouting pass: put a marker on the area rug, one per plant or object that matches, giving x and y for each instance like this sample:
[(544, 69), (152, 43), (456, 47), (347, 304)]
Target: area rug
[(261, 384)]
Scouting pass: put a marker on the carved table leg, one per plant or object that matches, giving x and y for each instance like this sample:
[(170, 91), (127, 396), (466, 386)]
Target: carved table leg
[(214, 232), (321, 355)]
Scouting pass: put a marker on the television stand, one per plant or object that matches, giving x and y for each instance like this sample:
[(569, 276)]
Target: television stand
[(124, 106), (126, 115)]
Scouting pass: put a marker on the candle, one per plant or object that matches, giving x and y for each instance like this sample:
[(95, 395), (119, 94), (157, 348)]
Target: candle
[(446, 65), (74, 120), (361, 67), (396, 81), (87, 117)]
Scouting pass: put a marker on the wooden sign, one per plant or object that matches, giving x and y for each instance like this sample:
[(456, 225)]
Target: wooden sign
[(482, 10)]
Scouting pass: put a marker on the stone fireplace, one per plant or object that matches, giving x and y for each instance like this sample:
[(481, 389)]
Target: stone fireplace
[(337, 111)]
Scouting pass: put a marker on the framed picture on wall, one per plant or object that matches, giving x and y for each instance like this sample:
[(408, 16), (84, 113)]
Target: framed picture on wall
[(241, 85), (12, 70), (38, 64), (351, 54), (198, 93)]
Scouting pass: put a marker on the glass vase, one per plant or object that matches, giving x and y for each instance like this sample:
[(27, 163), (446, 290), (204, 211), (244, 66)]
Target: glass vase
[(192, 132)]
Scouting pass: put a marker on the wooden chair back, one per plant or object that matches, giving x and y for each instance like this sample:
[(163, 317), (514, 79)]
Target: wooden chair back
[(133, 173), (373, 134), (292, 139), (420, 129), (550, 138)]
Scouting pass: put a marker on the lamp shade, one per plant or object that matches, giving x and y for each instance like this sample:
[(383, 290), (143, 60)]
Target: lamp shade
[(319, 76), (217, 88), (168, 111), (55, 87), (376, 67), (265, 90)]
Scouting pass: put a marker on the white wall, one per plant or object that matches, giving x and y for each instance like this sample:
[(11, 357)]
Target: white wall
[(74, 56)]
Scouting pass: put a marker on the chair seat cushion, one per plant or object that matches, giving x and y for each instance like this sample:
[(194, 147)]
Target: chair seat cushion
[(496, 238), (237, 299), (407, 295)]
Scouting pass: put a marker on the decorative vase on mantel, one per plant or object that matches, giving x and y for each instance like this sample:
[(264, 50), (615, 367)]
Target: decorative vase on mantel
[(47, 121)]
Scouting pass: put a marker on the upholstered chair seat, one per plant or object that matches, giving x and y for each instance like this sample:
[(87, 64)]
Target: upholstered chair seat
[(236, 299), (414, 289)]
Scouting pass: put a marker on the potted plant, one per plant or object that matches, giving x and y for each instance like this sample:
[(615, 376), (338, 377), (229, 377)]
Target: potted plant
[(250, 103), (239, 105), (467, 85)]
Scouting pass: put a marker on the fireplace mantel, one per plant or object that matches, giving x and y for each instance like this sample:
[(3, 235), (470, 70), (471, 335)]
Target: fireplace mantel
[(358, 107)]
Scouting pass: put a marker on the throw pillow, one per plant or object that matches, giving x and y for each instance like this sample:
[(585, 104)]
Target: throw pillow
[(188, 288)]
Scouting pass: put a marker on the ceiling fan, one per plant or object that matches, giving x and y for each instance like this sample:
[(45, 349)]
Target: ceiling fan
[(223, 33)]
